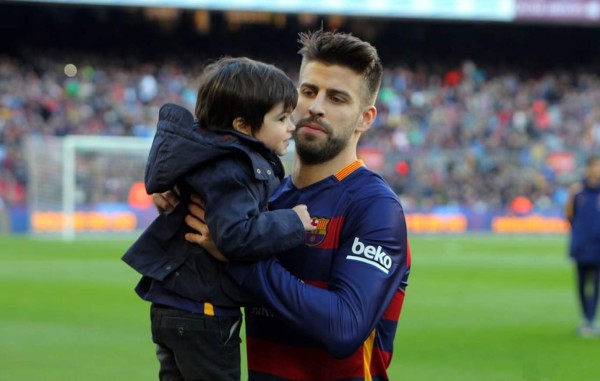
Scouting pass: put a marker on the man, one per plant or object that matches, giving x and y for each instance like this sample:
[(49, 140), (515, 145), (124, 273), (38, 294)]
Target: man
[(582, 210), (329, 310)]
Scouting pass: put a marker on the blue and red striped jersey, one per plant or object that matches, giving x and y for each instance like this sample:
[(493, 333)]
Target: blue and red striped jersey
[(329, 310)]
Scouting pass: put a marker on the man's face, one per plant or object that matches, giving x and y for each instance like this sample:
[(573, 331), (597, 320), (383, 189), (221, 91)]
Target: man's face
[(593, 172), (328, 112)]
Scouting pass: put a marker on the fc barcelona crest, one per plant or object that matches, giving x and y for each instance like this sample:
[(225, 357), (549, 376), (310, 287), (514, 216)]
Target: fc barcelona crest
[(317, 236)]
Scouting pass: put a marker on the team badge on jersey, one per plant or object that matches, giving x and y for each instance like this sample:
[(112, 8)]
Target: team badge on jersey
[(317, 236)]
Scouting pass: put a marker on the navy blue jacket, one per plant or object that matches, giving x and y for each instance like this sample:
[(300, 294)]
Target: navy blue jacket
[(234, 174), (585, 225)]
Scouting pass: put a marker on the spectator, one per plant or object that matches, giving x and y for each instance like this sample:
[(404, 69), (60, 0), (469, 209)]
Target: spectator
[(486, 135)]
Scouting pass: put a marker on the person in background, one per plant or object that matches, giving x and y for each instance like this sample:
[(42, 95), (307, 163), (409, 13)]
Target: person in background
[(229, 156), (4, 218), (582, 210), (328, 310)]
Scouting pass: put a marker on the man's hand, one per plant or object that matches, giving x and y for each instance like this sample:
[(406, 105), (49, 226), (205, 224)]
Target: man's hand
[(195, 220), (166, 201)]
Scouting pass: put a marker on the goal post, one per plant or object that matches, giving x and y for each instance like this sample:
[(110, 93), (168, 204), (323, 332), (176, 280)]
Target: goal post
[(87, 185)]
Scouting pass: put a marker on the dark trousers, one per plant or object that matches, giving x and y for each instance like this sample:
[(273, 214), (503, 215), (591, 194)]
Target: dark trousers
[(588, 279), (196, 347)]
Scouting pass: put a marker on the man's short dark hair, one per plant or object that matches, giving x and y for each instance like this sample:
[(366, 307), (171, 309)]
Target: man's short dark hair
[(344, 49), (241, 87)]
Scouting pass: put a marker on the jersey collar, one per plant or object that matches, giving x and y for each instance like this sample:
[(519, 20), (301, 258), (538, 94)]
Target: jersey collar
[(347, 170)]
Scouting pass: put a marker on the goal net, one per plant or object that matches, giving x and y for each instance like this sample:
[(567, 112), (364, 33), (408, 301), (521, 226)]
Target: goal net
[(87, 185)]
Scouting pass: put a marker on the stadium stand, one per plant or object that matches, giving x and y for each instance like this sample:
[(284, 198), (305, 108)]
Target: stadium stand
[(457, 127)]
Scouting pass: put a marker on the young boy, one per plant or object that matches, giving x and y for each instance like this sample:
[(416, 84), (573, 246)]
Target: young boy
[(229, 157)]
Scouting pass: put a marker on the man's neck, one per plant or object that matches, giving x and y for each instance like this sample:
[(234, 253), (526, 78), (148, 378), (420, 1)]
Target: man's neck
[(304, 175)]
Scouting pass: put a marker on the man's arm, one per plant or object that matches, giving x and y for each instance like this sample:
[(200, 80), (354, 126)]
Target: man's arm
[(361, 287), (569, 204), (166, 201)]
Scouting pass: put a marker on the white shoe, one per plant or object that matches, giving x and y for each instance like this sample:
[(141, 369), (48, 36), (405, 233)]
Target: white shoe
[(588, 330)]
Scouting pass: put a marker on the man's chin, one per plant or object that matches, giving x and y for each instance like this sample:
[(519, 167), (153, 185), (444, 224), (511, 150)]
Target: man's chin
[(311, 146), (312, 154)]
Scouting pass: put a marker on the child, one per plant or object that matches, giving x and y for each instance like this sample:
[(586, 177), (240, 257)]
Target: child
[(229, 157)]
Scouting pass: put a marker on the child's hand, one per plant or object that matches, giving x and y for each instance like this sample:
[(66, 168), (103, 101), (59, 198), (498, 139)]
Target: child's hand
[(302, 212)]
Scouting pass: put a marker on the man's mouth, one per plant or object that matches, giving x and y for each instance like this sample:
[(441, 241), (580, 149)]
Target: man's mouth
[(313, 126)]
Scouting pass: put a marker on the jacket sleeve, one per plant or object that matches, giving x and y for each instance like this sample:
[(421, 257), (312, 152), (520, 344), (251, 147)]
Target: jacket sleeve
[(370, 267), (241, 231)]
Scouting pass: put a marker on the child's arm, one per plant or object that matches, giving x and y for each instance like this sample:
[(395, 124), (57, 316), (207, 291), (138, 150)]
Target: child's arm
[(234, 199)]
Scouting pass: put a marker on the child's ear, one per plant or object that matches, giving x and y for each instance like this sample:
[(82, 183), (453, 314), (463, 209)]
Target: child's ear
[(239, 124)]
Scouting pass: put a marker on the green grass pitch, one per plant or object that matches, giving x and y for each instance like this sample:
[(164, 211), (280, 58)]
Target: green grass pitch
[(478, 308)]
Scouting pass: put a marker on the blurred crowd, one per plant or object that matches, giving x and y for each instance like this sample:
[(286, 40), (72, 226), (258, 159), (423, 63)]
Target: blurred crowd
[(445, 137), (467, 137)]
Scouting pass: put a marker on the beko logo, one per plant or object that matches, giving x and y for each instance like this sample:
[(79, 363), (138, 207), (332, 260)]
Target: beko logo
[(371, 255)]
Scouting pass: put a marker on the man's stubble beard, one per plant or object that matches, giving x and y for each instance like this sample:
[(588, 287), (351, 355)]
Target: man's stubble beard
[(312, 150)]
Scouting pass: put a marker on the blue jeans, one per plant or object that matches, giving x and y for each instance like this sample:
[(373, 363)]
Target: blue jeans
[(196, 347)]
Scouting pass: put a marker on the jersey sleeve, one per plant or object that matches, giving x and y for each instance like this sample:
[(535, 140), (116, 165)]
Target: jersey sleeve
[(233, 199), (371, 265)]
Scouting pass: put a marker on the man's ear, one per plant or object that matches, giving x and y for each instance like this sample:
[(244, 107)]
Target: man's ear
[(239, 124), (368, 117)]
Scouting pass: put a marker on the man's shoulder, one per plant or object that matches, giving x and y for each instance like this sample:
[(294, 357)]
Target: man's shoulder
[(370, 198), (364, 183)]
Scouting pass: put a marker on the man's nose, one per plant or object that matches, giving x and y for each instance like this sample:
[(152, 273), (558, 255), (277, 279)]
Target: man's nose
[(316, 106)]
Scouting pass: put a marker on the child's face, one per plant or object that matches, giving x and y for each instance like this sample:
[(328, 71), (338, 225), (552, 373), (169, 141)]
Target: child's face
[(276, 129)]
